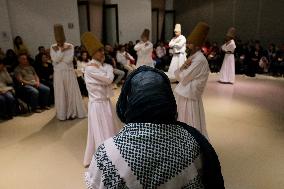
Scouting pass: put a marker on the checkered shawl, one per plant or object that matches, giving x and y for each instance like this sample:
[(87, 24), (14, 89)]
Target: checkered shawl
[(150, 156)]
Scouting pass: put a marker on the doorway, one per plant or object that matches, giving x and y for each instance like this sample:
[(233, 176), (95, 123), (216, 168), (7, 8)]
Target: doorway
[(110, 24)]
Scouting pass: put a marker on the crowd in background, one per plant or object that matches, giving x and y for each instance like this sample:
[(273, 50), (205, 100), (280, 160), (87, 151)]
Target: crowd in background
[(26, 82)]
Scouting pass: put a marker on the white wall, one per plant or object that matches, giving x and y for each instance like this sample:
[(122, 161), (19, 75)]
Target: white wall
[(133, 17), (33, 20), (6, 41)]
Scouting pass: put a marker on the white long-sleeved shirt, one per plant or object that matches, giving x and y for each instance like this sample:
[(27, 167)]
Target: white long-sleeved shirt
[(144, 53), (178, 44), (98, 80), (62, 60), (121, 57), (80, 68), (192, 80)]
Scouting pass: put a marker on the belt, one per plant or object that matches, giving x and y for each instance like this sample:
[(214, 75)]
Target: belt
[(178, 53), (229, 52)]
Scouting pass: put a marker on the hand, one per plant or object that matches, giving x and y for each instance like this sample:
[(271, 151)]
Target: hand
[(55, 48), (127, 57), (37, 84), (95, 65), (186, 64), (66, 47)]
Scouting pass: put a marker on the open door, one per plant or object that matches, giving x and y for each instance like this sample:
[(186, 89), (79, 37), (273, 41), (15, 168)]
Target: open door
[(84, 16), (110, 24), (155, 25)]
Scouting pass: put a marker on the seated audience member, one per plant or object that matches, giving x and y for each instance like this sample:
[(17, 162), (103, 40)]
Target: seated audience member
[(82, 62), (153, 150), (206, 48), (37, 63), (7, 99), (131, 50), (119, 74), (45, 73), (41, 50), (271, 52), (255, 54), (77, 52), (124, 58), (162, 59), (280, 60), (2, 54), (34, 92), (19, 46), (11, 60), (214, 58)]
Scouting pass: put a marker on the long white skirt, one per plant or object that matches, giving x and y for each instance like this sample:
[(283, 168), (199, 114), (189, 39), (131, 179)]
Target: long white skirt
[(192, 113), (68, 98), (177, 61), (101, 126), (227, 72)]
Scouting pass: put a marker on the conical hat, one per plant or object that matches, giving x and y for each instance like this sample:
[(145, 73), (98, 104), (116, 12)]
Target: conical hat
[(177, 28), (91, 43), (59, 33), (146, 33), (231, 32), (199, 34)]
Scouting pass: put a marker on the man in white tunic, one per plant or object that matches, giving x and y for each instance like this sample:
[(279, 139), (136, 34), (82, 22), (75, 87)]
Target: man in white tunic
[(192, 77), (178, 46), (68, 99), (144, 50), (227, 72), (98, 77)]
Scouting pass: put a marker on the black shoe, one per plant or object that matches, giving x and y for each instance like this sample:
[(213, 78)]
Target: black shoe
[(37, 111)]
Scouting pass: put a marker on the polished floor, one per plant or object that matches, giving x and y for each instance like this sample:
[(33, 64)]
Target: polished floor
[(245, 123)]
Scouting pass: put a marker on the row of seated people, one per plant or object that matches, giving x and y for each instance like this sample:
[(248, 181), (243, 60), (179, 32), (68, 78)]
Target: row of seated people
[(22, 84), (250, 58)]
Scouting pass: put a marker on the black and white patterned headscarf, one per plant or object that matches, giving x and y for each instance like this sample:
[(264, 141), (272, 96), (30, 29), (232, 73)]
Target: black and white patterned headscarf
[(146, 96)]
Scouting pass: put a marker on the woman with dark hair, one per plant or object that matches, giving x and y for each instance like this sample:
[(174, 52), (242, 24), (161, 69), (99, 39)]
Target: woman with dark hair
[(82, 61), (45, 73), (19, 46), (11, 60), (153, 150)]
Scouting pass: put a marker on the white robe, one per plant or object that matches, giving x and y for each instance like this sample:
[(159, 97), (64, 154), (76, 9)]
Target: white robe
[(144, 54), (189, 92), (68, 98), (101, 124), (227, 72), (178, 46)]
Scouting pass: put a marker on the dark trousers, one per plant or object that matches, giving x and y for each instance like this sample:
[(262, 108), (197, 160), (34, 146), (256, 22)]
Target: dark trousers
[(49, 84), (7, 105), (35, 97), (82, 86)]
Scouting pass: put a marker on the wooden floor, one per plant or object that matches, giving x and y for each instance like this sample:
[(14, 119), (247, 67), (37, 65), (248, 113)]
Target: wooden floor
[(245, 123)]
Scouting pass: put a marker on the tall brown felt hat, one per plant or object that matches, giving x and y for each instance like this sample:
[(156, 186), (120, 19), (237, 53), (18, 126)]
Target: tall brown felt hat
[(59, 33), (91, 43), (199, 34)]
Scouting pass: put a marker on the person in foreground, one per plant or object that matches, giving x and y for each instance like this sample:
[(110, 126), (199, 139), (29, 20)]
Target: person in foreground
[(98, 78), (192, 77), (153, 150)]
